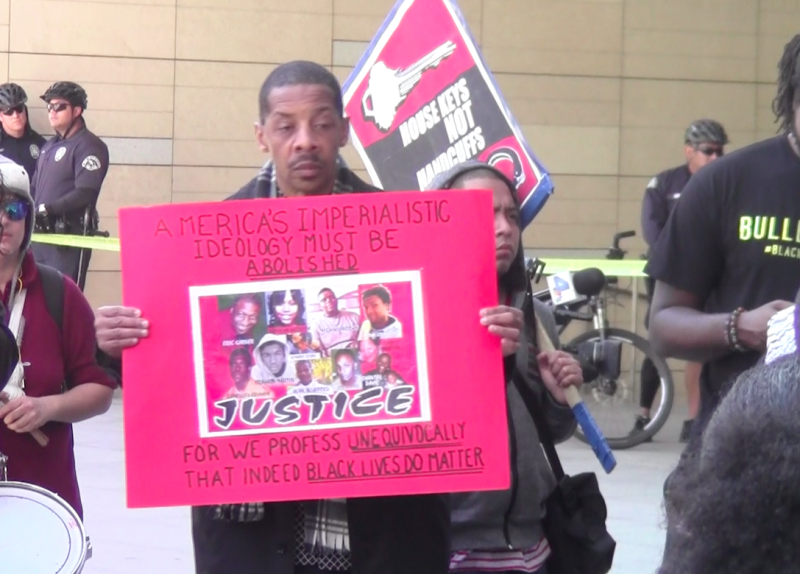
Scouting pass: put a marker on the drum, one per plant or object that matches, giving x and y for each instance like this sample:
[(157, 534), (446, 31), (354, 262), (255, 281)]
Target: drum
[(39, 532)]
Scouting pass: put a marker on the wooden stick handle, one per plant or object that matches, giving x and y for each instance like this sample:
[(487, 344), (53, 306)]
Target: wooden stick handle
[(38, 435)]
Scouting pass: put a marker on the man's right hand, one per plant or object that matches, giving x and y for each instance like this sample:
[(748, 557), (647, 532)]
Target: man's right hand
[(118, 328), (752, 326)]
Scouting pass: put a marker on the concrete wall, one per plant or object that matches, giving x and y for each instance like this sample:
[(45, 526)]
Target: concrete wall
[(603, 88)]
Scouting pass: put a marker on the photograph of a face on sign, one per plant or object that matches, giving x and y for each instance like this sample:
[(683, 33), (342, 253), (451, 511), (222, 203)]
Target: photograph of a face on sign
[(309, 354)]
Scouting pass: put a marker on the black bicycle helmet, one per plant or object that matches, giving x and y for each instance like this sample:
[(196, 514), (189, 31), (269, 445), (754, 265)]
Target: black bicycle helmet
[(11, 96), (706, 131), (69, 91)]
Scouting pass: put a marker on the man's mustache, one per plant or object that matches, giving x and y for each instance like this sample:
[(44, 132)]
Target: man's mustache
[(306, 158)]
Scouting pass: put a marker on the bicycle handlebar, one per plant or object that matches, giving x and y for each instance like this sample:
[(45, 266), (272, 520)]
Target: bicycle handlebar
[(622, 235)]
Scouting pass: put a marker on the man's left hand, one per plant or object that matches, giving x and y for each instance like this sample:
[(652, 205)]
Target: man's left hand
[(24, 414), (506, 323), (559, 370)]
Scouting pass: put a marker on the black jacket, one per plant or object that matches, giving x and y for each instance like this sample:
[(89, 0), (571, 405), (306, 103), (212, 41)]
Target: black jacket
[(660, 198), (388, 535)]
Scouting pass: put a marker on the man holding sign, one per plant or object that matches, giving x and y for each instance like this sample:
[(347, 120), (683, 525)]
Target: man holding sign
[(303, 127)]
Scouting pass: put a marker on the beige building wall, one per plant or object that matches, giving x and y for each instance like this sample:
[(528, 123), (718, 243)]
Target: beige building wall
[(603, 89)]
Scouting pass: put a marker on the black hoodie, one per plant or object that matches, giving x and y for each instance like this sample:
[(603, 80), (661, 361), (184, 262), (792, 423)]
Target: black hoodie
[(495, 520)]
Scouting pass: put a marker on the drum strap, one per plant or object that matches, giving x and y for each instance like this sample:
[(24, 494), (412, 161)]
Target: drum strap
[(16, 323)]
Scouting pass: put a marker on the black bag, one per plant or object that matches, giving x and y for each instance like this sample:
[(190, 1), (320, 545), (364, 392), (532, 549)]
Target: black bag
[(575, 522)]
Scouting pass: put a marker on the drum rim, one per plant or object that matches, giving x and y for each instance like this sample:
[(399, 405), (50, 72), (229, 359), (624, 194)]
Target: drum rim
[(64, 504)]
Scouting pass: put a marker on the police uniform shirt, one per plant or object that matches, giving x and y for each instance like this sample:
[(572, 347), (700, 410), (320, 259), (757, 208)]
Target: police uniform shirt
[(80, 161), (23, 151), (660, 198), (733, 240)]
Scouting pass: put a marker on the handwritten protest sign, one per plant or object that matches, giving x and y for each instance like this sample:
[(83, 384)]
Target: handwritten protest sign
[(312, 348), (422, 99)]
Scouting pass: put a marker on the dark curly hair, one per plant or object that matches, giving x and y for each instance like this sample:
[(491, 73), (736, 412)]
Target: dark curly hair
[(733, 503), (276, 298), (788, 95)]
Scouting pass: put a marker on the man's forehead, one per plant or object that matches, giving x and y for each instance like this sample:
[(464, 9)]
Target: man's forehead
[(301, 99)]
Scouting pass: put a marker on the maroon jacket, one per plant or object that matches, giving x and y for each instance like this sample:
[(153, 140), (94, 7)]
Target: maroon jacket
[(52, 358)]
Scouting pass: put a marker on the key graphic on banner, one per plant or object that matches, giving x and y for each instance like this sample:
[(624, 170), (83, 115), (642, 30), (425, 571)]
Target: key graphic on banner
[(422, 100), (388, 88)]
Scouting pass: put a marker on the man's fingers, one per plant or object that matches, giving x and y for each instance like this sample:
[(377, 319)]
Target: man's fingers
[(122, 333), (500, 309), (120, 323), (118, 311), (505, 332), (504, 319)]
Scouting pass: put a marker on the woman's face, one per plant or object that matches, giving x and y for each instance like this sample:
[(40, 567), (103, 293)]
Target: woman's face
[(368, 350), (286, 310), (12, 217)]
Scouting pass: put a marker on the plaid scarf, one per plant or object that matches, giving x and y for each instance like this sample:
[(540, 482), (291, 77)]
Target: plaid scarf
[(322, 524)]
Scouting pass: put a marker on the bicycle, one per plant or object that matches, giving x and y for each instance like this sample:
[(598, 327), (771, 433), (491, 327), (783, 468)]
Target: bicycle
[(600, 349)]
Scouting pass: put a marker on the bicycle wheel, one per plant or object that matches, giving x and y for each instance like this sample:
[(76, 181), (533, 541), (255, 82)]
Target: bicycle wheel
[(613, 403)]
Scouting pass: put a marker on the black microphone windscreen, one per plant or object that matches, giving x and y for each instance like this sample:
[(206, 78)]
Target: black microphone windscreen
[(589, 281)]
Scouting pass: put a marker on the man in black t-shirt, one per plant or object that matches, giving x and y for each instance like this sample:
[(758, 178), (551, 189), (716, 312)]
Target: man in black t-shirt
[(729, 257), (704, 140), (18, 141), (69, 174)]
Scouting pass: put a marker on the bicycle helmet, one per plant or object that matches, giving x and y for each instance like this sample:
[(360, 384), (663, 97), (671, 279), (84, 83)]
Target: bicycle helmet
[(706, 131), (69, 91), (11, 96)]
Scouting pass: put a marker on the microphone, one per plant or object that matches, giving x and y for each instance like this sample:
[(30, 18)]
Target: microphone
[(589, 282)]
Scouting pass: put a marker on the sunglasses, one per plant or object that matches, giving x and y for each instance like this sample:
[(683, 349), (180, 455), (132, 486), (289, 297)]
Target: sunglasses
[(15, 210), (20, 109), (709, 151), (59, 107)]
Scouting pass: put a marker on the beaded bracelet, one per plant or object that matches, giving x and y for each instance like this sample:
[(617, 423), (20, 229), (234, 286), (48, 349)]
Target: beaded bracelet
[(732, 330)]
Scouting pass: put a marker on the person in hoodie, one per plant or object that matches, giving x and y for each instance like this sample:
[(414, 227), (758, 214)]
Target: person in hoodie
[(272, 361), (61, 382), (302, 125), (501, 531)]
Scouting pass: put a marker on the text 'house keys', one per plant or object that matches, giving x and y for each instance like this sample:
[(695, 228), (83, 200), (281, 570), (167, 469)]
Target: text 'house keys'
[(389, 88)]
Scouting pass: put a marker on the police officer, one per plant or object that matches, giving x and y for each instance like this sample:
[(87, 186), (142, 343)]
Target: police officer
[(18, 141), (69, 175), (705, 140)]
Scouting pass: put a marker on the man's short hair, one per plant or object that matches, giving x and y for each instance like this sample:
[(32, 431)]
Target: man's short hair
[(241, 352), (298, 73), (247, 298), (380, 291), (343, 352), (326, 290)]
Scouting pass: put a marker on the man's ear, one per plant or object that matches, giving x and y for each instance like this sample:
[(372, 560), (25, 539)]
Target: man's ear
[(345, 135), (261, 137)]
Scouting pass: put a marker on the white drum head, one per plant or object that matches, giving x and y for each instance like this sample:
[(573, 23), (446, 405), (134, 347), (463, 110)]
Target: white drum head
[(39, 532)]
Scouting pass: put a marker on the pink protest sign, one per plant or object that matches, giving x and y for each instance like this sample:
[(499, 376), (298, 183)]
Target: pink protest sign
[(312, 348)]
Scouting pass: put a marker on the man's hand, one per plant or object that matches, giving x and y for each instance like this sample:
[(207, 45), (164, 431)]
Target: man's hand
[(24, 414), (506, 323), (559, 370), (118, 328), (752, 325)]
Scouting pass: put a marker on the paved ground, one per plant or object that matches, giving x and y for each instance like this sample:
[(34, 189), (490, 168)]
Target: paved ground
[(158, 541)]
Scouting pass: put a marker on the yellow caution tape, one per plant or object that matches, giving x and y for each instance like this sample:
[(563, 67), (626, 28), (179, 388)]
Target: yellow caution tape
[(101, 243), (616, 268)]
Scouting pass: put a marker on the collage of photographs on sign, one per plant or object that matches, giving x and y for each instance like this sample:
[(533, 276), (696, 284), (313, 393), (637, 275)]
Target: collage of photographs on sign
[(309, 354)]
